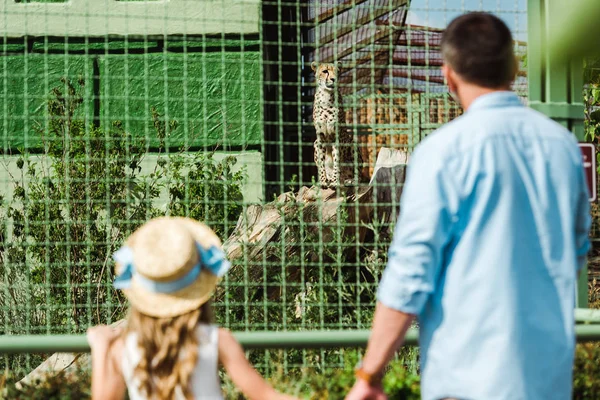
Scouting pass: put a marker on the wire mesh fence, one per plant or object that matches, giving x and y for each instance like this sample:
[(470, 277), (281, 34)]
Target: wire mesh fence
[(114, 112)]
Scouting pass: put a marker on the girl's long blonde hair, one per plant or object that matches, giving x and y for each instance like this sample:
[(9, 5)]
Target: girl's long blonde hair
[(169, 351)]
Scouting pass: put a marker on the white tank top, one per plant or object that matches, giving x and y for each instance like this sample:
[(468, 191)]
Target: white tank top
[(205, 379)]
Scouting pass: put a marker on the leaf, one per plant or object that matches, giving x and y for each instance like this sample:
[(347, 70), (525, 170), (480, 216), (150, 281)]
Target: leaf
[(596, 95)]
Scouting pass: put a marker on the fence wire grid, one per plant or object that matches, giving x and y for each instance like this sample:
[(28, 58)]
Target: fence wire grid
[(114, 112)]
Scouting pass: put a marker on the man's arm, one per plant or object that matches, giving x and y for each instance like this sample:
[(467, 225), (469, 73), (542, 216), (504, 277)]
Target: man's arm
[(387, 334)]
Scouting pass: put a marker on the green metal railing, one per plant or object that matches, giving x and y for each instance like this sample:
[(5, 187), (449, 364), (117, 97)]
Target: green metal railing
[(249, 340)]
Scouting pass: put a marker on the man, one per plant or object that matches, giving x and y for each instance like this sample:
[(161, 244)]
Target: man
[(493, 229)]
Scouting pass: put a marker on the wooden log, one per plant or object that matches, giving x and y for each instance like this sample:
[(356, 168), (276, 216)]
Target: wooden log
[(59, 362), (276, 234), (388, 182)]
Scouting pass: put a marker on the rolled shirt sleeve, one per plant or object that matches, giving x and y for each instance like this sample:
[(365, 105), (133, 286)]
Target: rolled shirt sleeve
[(428, 209)]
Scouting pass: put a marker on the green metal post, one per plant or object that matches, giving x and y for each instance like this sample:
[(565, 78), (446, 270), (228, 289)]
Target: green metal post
[(555, 86)]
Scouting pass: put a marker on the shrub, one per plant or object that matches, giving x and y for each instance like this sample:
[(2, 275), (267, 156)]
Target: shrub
[(70, 209), (586, 371), (330, 384), (199, 176), (586, 376), (57, 386), (74, 205)]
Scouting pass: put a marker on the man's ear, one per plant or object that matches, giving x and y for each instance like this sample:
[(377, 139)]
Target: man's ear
[(313, 65), (517, 65), (445, 72), (449, 77)]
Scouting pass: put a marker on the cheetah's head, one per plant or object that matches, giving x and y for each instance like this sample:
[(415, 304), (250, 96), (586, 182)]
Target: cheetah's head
[(325, 74)]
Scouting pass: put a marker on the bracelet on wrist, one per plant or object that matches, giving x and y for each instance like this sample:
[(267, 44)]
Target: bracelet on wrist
[(371, 379)]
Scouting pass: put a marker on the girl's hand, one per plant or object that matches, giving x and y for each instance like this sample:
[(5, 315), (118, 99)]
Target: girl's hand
[(107, 350), (102, 335)]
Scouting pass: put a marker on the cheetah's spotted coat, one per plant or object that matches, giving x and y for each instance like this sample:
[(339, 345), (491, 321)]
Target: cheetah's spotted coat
[(335, 151)]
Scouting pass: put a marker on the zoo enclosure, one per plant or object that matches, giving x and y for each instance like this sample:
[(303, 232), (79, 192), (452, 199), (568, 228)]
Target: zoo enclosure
[(234, 75)]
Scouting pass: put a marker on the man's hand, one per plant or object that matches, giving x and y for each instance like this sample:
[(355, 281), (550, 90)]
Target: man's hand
[(363, 391), (387, 334)]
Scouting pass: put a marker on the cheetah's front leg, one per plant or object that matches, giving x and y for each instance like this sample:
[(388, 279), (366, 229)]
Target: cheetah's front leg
[(320, 161), (335, 177)]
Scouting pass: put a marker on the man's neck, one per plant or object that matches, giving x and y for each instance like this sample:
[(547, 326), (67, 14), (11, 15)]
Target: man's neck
[(468, 93)]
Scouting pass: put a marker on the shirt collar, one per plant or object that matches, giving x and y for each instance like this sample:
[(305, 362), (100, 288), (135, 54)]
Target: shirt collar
[(496, 99)]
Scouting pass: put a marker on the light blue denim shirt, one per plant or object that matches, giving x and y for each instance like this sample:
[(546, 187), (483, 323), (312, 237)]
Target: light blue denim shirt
[(493, 227)]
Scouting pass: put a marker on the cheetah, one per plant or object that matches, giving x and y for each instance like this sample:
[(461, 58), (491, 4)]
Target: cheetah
[(335, 152)]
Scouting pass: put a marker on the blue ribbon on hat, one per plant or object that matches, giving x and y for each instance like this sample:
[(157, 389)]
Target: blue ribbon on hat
[(213, 259)]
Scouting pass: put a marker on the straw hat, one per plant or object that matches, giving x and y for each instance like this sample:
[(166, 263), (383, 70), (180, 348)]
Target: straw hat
[(170, 266)]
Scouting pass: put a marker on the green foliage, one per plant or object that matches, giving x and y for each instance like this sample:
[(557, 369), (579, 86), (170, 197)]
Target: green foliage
[(75, 204), (69, 211), (57, 386), (330, 384), (210, 180), (591, 101), (586, 371), (591, 69), (586, 377), (400, 382), (591, 98), (334, 384), (198, 186)]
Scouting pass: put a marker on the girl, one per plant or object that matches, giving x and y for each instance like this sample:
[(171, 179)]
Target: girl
[(170, 349)]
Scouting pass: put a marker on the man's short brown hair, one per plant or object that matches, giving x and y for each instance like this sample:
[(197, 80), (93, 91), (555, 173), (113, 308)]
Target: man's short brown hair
[(479, 47)]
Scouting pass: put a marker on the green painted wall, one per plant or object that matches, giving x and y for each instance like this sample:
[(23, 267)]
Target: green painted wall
[(26, 82), (211, 87), (214, 96)]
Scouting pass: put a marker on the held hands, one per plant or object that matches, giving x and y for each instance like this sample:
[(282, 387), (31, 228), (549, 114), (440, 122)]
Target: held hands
[(363, 391)]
